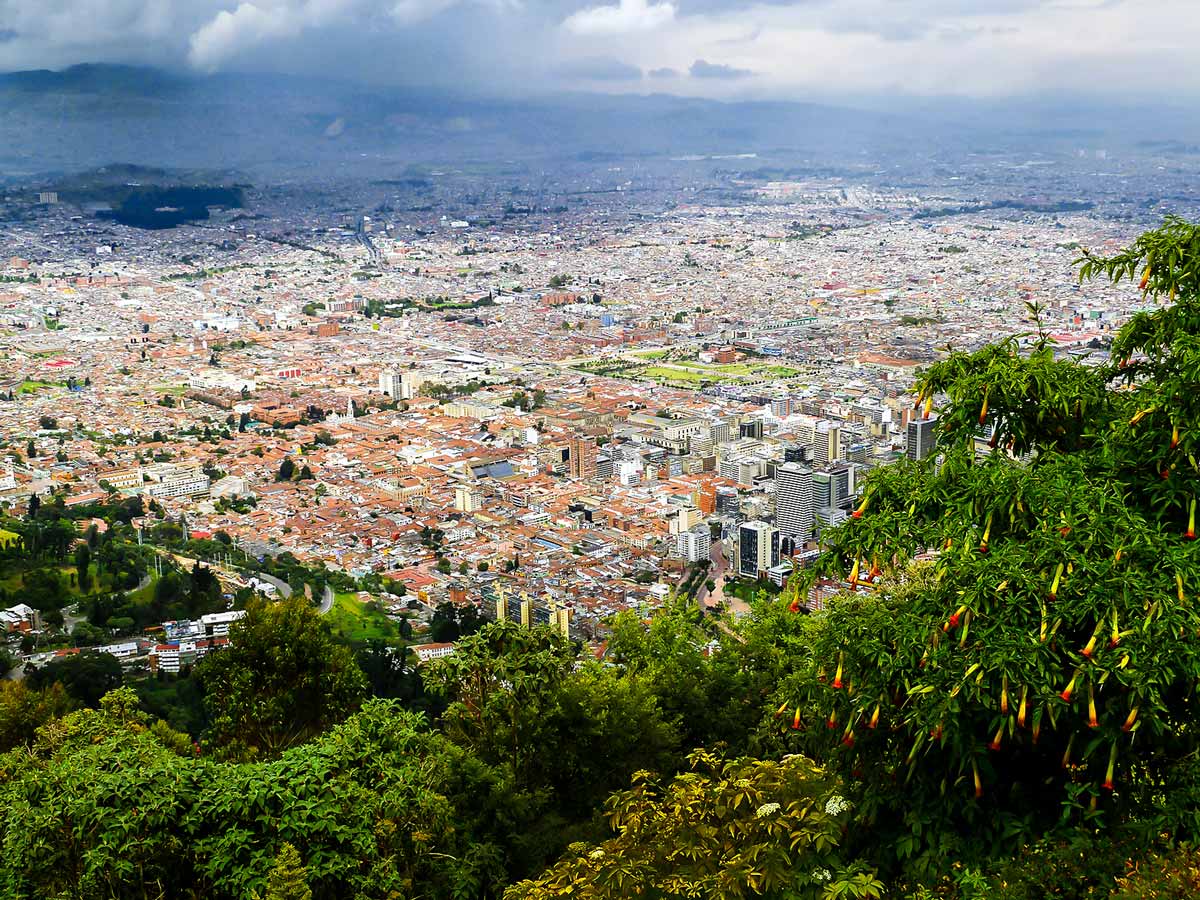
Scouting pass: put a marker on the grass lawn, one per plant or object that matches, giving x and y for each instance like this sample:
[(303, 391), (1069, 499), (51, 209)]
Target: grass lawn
[(669, 373), (354, 622), (32, 387), (650, 354)]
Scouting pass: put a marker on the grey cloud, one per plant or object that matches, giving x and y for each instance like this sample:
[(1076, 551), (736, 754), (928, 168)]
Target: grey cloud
[(665, 72), (599, 69), (704, 69)]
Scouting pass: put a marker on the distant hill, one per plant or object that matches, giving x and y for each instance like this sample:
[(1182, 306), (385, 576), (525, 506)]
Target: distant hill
[(290, 127), (93, 115)]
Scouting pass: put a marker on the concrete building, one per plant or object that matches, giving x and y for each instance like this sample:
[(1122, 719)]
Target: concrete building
[(920, 438), (794, 500), (758, 549)]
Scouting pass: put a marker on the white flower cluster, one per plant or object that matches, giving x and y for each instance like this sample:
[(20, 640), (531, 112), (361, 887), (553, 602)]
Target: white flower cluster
[(821, 875), (766, 809), (836, 805)]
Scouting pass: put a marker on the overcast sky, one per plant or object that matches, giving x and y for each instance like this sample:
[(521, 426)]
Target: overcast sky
[(810, 49)]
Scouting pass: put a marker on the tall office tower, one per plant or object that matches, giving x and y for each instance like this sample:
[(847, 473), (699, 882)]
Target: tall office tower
[(758, 548), (751, 429), (826, 444), (795, 453), (842, 483), (920, 438), (389, 383), (582, 452), (719, 432), (794, 500), (822, 489)]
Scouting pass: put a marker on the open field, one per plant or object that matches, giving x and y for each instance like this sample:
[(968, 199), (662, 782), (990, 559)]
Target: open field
[(354, 622)]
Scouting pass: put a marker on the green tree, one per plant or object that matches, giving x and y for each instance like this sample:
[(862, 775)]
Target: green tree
[(287, 469), (281, 680), (1020, 648), (83, 562), (85, 676), (289, 878), (726, 830)]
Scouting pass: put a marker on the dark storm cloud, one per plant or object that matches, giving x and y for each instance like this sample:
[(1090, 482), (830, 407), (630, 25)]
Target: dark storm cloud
[(702, 68)]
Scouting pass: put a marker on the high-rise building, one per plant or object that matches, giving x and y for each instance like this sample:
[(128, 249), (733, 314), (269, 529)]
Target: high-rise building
[(826, 444), (389, 383), (794, 500), (695, 544), (920, 438), (751, 428), (822, 489), (758, 548), (411, 383), (582, 457)]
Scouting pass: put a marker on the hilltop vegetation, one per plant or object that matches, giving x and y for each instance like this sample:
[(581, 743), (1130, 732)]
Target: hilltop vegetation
[(1001, 703)]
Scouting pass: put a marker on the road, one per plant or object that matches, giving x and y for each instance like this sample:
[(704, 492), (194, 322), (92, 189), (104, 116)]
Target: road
[(327, 600), (716, 572)]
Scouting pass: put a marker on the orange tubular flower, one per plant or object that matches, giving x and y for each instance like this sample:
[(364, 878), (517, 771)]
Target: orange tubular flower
[(848, 736), (782, 709), (1093, 722), (874, 717), (1174, 437), (995, 744), (796, 720), (1145, 279), (1190, 534), (983, 411), (1004, 695), (987, 532), (1115, 636), (1021, 708), (978, 783), (952, 622), (1090, 649), (1070, 688), (928, 407), (854, 573), (1112, 765), (1130, 719), (832, 721), (837, 677), (862, 507), (1055, 583)]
